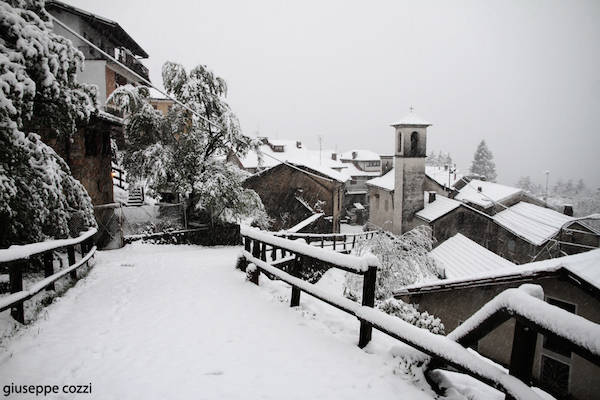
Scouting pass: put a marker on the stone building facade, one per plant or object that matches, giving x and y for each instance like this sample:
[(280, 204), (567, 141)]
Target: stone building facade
[(290, 196), (88, 155)]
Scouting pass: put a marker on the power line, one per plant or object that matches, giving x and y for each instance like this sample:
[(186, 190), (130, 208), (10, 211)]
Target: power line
[(147, 82)]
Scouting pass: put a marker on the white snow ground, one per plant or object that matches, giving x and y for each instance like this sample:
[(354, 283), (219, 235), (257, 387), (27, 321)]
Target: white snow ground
[(175, 322)]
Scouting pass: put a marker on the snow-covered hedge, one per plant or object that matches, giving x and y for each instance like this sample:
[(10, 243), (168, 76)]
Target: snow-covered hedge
[(410, 314)]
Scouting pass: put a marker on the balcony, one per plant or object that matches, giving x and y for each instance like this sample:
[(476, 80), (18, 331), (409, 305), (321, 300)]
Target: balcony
[(126, 57)]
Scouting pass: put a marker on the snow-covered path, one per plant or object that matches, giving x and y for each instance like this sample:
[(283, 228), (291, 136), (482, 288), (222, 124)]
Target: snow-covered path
[(179, 322)]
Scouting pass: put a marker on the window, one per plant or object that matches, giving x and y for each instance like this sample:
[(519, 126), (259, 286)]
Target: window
[(377, 202), (554, 344), (555, 376), (386, 205), (414, 143), (400, 147), (373, 163)]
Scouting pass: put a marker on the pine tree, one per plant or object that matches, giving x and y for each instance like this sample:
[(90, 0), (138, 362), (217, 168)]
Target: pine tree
[(39, 198), (483, 162)]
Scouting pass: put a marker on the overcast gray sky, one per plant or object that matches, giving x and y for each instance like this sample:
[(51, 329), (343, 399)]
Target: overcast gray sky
[(523, 75)]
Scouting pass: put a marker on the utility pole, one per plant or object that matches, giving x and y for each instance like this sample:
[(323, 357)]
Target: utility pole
[(546, 195), (320, 147)]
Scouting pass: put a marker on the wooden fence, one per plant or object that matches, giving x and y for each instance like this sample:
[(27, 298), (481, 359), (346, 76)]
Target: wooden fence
[(441, 348), (342, 242), (17, 257)]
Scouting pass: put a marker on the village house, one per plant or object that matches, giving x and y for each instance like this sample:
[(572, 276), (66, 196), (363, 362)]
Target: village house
[(506, 220), (294, 192), (475, 275), (89, 155), (109, 36), (360, 166)]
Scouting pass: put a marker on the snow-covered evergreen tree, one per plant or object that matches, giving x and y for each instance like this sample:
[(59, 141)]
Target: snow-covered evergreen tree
[(185, 153), (483, 162), (39, 198)]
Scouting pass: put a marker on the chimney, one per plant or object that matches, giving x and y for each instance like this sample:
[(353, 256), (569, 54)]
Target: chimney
[(431, 198), (568, 210), (298, 144), (479, 189), (334, 156), (354, 155)]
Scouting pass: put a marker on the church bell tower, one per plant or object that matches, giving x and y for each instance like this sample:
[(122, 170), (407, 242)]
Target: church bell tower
[(409, 169)]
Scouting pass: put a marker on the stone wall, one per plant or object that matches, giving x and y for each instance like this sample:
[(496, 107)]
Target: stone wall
[(89, 157)]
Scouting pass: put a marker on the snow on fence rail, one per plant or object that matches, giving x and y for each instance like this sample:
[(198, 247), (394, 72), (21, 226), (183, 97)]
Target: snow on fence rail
[(533, 316), (19, 252), (437, 346), (347, 240), (18, 256), (346, 262)]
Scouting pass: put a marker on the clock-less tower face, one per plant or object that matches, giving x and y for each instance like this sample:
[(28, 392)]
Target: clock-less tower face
[(411, 141), (409, 170)]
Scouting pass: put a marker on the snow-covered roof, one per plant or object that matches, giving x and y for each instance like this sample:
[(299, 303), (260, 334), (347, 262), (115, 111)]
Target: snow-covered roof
[(462, 257), (437, 174), (109, 117), (349, 169), (361, 155), (438, 208), (100, 23), (533, 223), (384, 182), (291, 153), (442, 176), (583, 265), (490, 193), (411, 119), (156, 95)]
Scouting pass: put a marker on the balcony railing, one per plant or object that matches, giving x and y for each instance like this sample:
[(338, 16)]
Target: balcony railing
[(126, 57)]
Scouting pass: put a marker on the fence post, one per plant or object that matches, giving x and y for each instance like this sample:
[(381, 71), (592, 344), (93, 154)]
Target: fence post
[(298, 262), (368, 300), (353, 242), (246, 243), (71, 258), (523, 352), (345, 238), (274, 253), (15, 274), (263, 252), (334, 239), (49, 267)]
